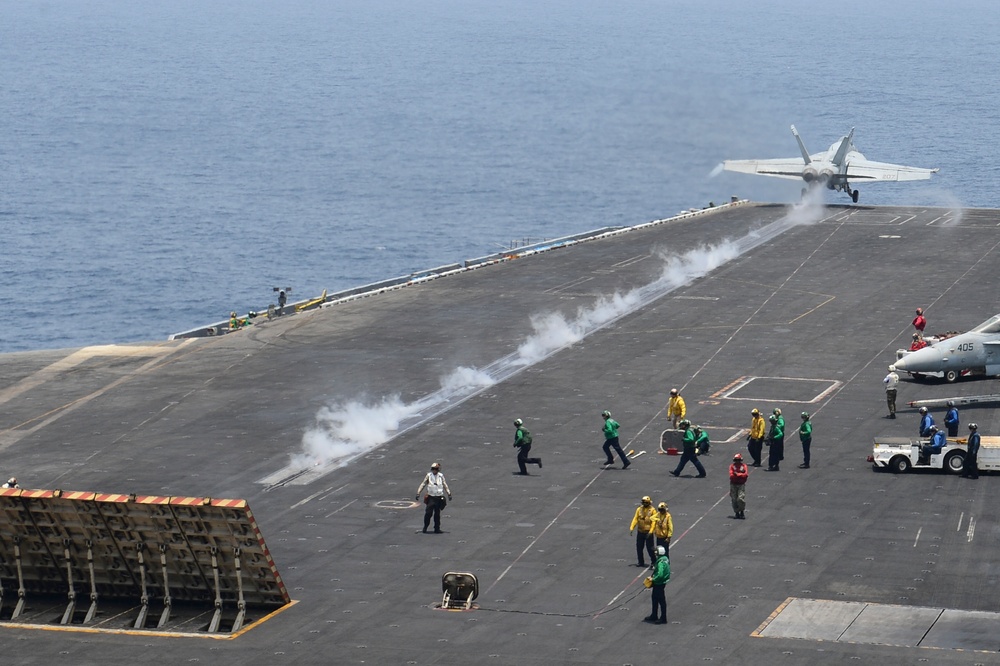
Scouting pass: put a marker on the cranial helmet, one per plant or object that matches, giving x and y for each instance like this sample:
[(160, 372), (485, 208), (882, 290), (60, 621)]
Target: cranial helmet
[(805, 416), (685, 423), (663, 506), (973, 426), (892, 368), (922, 410), (660, 550), (934, 428), (436, 466), (754, 412), (777, 411), (647, 499), (951, 403), (606, 414), (518, 422), (673, 391), (772, 418), (738, 457)]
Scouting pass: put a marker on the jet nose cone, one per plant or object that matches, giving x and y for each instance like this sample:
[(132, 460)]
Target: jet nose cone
[(927, 359)]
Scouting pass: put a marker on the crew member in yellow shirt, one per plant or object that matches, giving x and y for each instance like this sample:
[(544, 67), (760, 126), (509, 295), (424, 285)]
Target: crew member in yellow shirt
[(676, 410), (663, 527), (755, 440), (642, 525)]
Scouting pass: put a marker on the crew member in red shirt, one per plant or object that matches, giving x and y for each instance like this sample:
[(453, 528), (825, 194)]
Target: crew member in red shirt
[(738, 473)]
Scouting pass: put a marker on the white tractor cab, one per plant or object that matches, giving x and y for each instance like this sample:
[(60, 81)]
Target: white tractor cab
[(901, 454)]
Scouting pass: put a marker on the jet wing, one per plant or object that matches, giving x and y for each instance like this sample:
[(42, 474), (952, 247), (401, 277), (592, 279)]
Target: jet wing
[(780, 168), (869, 171)]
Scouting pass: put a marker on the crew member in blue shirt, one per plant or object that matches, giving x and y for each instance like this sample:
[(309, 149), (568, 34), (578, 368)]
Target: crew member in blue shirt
[(926, 421), (936, 445), (969, 469), (951, 419)]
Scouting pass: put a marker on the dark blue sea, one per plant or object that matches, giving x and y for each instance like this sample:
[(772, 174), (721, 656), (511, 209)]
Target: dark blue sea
[(163, 163)]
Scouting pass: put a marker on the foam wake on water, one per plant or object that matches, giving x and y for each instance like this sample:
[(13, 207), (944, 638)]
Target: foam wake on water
[(346, 430)]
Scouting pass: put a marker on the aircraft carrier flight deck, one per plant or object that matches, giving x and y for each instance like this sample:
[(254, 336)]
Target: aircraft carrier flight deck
[(325, 421)]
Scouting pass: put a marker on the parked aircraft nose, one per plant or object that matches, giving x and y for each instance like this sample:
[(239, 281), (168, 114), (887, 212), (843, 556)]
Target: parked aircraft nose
[(928, 359)]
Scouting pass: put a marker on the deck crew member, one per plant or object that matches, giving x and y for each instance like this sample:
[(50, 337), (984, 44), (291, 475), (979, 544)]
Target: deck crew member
[(738, 475), (522, 441), (919, 322), (676, 409), (702, 442), (755, 440), (779, 417), (926, 422), (663, 527), (775, 443), (690, 451), (935, 446), (891, 382), (642, 525), (806, 437), (661, 574), (970, 470), (436, 488), (951, 419), (611, 441)]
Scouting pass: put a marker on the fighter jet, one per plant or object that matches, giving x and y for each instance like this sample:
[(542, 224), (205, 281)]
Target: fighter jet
[(976, 352), (835, 168)]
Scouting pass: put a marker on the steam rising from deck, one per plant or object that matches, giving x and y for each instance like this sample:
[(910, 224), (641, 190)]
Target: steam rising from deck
[(344, 431)]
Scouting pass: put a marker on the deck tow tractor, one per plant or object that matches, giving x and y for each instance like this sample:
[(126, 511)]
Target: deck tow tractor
[(901, 454)]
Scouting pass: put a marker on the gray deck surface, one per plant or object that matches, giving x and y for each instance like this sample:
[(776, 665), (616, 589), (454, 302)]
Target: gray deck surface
[(806, 321)]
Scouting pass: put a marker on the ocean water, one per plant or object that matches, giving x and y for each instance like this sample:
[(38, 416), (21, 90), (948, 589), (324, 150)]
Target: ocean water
[(164, 163)]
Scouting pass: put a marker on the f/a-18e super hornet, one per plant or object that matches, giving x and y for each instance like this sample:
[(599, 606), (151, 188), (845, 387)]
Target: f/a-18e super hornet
[(976, 352), (835, 168)]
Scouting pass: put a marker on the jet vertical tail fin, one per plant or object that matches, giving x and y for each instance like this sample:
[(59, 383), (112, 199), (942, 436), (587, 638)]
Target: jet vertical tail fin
[(845, 145), (802, 146)]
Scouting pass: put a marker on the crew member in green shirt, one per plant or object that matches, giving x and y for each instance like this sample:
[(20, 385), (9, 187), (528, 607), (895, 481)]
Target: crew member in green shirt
[(661, 574), (806, 437), (776, 444), (611, 441)]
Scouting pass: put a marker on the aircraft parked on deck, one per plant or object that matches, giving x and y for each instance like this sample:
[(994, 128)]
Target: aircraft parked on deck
[(976, 352)]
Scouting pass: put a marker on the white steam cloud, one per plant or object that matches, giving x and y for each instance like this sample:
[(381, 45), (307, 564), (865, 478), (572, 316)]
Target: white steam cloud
[(809, 209), (553, 331), (344, 431)]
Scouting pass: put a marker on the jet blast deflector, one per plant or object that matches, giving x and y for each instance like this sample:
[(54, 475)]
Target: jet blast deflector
[(63, 552)]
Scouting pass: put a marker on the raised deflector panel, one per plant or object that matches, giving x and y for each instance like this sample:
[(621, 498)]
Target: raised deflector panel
[(153, 554)]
